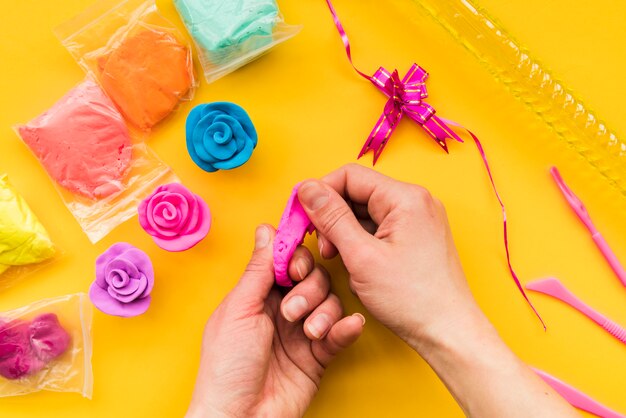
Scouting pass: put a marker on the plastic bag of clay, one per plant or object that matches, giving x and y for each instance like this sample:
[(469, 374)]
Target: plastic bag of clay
[(140, 59), (47, 346), (25, 245), (101, 171), (230, 33)]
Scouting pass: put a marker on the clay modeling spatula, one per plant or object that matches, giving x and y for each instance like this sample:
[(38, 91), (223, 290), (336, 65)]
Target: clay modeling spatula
[(553, 287), (579, 208), (576, 398)]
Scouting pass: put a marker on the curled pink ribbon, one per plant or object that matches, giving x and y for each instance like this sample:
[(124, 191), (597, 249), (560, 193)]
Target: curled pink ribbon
[(406, 97)]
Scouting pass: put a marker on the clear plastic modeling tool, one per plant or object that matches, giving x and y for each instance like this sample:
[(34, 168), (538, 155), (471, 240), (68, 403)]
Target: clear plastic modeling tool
[(527, 79)]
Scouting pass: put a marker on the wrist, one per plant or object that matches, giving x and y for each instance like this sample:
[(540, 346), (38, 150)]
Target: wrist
[(204, 411), (452, 331)]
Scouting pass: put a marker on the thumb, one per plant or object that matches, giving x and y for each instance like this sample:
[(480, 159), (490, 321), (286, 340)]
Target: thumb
[(331, 215), (258, 278)]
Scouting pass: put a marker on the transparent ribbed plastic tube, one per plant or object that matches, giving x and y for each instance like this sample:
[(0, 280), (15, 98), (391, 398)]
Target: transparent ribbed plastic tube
[(528, 81)]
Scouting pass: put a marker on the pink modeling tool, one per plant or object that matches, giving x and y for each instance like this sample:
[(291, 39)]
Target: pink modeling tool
[(577, 398), (553, 287), (293, 227), (582, 213)]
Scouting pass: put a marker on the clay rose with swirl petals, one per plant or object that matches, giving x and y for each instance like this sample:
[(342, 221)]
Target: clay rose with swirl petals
[(124, 280), (176, 218), (220, 136)]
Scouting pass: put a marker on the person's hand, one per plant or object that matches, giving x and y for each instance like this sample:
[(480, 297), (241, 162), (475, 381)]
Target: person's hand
[(255, 362), (396, 244)]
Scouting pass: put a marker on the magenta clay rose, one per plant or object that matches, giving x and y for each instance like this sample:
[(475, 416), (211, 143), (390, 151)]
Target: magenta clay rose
[(175, 218), (124, 280)]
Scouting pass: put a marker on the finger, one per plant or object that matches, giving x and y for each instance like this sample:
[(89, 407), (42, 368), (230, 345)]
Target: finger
[(301, 264), (360, 211), (352, 289), (317, 325), (363, 216), (343, 334), (306, 295), (368, 225), (258, 278), (364, 186), (331, 216), (326, 248), (440, 208), (357, 183)]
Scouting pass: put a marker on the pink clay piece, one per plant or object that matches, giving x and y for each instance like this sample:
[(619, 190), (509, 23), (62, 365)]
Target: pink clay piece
[(293, 227)]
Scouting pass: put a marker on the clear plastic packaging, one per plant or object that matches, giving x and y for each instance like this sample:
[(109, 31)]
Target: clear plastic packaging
[(100, 170), (140, 59), (525, 78), (25, 245), (229, 34), (47, 346)]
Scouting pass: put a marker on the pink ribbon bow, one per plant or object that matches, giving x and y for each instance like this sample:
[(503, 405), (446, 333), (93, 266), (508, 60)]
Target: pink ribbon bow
[(405, 97)]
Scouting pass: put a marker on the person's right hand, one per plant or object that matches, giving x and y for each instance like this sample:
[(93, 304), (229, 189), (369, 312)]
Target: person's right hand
[(396, 244), (395, 241)]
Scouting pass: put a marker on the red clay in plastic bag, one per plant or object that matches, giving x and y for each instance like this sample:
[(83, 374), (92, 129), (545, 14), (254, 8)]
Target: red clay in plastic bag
[(82, 141)]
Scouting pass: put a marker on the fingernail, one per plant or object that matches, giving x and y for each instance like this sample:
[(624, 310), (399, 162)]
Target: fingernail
[(313, 195), (294, 308), (319, 326), (302, 266), (361, 317), (261, 237), (320, 244)]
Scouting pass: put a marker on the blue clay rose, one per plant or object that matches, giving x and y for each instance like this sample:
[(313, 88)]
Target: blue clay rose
[(220, 136)]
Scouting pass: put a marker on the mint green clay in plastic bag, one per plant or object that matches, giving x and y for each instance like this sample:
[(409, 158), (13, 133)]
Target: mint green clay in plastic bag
[(230, 34)]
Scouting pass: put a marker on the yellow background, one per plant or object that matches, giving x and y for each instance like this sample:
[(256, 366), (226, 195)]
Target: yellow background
[(313, 114)]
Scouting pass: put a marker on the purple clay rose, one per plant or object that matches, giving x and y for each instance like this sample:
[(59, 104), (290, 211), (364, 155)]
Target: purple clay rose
[(124, 280), (175, 218)]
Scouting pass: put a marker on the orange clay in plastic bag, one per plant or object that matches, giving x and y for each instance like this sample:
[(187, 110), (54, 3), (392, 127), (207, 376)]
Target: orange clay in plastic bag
[(136, 79), (139, 58)]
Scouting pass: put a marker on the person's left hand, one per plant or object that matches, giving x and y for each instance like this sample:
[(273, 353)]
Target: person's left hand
[(258, 357)]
